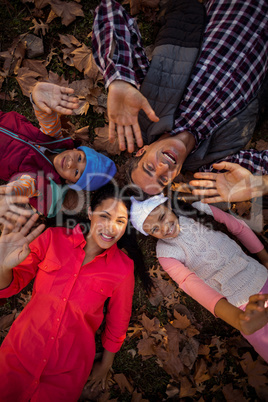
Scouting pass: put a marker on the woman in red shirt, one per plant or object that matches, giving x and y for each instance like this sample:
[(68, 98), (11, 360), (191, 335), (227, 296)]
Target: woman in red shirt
[(49, 351)]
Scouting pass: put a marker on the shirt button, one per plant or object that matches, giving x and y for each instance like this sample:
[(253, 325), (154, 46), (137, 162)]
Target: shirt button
[(75, 275), (101, 290), (52, 338), (58, 319), (64, 299), (45, 360), (36, 382)]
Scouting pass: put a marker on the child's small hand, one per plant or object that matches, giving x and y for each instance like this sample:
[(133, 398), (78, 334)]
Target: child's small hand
[(99, 376), (255, 315), (49, 97)]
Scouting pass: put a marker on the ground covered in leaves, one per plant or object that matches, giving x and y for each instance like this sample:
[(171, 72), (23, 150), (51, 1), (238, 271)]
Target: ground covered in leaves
[(175, 350)]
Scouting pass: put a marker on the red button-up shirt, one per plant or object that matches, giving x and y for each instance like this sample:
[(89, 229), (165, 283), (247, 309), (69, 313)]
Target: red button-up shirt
[(49, 351)]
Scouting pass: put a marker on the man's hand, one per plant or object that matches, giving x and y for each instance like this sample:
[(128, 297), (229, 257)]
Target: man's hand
[(14, 245), (124, 103), (49, 97), (237, 184), (256, 314), (9, 211)]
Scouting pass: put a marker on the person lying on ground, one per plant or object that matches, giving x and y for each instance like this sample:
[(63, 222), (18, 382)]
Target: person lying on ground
[(42, 164), (196, 248), (209, 111)]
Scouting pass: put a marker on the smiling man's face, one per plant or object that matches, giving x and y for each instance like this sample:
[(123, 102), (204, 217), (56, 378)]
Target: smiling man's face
[(159, 165)]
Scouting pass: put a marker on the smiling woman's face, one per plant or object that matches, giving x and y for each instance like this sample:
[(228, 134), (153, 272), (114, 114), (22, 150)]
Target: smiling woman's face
[(162, 223), (108, 222)]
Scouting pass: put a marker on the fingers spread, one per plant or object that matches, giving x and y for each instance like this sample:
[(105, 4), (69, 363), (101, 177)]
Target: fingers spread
[(112, 132), (65, 90), (212, 200), (205, 175), (35, 233), (121, 137), (137, 133), (129, 138)]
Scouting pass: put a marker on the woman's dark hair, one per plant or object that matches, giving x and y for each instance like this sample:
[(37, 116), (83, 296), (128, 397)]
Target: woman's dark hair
[(128, 241)]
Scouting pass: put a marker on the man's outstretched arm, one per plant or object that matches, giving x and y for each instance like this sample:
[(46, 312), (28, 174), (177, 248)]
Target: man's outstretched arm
[(236, 184), (119, 54)]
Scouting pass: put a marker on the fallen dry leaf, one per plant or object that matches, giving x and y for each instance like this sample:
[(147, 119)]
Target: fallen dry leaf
[(189, 353), (201, 372), (172, 391), (123, 383), (233, 395), (7, 320), (13, 94), (14, 55), (181, 321), (261, 145), (41, 3), (137, 397), (67, 11), (138, 5), (39, 26), (101, 142), (84, 62), (56, 79), (36, 65), (146, 346), (186, 388), (170, 362), (27, 80), (51, 16), (255, 370)]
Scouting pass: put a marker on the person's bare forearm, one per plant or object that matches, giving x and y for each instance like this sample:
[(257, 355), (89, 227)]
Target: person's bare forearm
[(107, 358), (6, 277), (228, 313)]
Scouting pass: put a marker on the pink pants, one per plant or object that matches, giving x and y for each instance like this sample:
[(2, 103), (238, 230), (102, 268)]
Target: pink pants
[(259, 340)]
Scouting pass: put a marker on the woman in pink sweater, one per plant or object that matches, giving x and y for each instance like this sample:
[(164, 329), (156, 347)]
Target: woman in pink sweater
[(196, 250)]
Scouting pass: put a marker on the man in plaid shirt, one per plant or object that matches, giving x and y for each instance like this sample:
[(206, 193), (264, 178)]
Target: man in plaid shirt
[(227, 76)]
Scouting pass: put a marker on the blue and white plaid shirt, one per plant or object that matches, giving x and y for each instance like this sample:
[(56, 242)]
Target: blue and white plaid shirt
[(231, 67)]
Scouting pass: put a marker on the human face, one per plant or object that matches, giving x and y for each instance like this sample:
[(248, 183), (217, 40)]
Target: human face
[(161, 223), (70, 164), (160, 164), (108, 222)]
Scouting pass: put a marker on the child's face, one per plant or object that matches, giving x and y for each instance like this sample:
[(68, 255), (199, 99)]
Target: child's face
[(70, 164), (108, 222), (161, 223)]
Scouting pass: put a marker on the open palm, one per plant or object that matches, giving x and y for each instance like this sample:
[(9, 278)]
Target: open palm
[(124, 103), (14, 245), (49, 97)]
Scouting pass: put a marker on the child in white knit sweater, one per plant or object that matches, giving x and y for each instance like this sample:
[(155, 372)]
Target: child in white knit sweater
[(208, 265)]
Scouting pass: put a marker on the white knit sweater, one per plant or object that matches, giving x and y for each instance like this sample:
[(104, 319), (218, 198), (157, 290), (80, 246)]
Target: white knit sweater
[(216, 259)]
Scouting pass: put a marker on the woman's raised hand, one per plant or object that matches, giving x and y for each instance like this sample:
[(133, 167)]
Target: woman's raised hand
[(14, 243)]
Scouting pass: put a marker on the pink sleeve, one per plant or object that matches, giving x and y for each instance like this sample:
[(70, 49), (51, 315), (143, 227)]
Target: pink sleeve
[(118, 314), (191, 283), (239, 228)]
